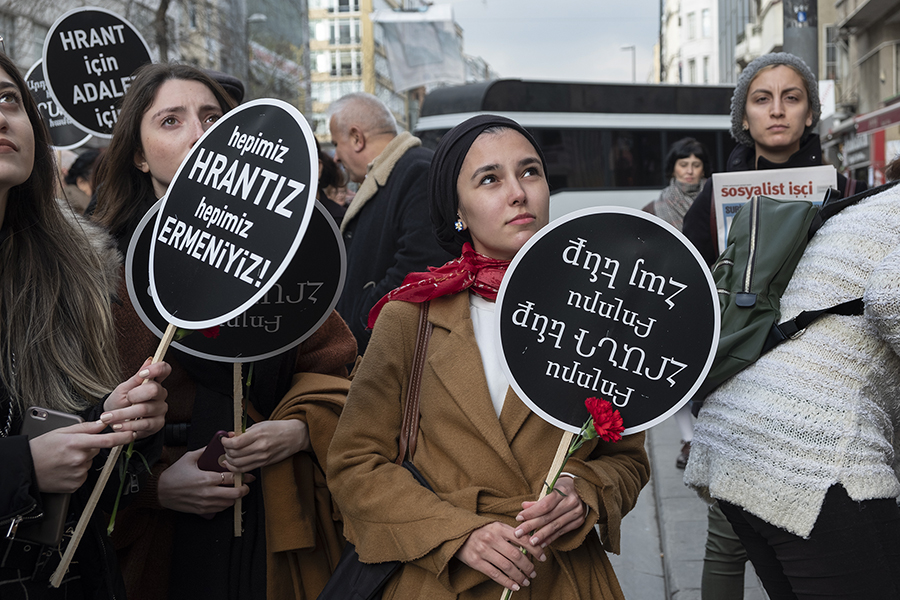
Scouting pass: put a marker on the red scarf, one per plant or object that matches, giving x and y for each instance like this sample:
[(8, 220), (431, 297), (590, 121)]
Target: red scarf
[(471, 270)]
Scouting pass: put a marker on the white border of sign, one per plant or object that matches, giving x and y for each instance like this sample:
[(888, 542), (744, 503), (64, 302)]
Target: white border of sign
[(99, 134), (301, 231), (40, 63), (534, 240), (132, 293)]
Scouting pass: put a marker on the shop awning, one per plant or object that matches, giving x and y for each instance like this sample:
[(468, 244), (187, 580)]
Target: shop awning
[(878, 119)]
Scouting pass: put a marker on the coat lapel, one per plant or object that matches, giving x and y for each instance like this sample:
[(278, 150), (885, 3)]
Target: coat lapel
[(457, 364), (513, 415)]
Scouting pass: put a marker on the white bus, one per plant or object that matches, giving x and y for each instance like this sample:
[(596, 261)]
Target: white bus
[(605, 143)]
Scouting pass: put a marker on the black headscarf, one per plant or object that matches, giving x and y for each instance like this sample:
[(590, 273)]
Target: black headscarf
[(445, 167)]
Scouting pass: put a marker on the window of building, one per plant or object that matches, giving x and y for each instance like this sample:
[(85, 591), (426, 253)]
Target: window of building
[(344, 31), (320, 61), (692, 71), (706, 23), (692, 25), (335, 6), (345, 63), (192, 14), (335, 31), (329, 91), (705, 69)]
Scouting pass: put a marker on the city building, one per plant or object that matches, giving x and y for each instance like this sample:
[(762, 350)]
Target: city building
[(733, 18), (346, 56), (864, 52), (689, 42)]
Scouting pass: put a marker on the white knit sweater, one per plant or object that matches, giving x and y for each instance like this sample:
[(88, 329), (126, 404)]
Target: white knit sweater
[(824, 408)]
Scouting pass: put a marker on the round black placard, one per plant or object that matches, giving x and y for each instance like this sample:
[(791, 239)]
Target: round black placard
[(234, 214), (612, 303), (90, 56), (63, 132), (292, 310)]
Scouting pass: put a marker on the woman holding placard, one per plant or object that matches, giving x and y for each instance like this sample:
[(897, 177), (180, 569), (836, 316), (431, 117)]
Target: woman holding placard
[(178, 541), (800, 448), (59, 277), (480, 448)]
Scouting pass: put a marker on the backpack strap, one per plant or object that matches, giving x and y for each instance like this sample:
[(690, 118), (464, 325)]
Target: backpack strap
[(834, 204), (796, 326)]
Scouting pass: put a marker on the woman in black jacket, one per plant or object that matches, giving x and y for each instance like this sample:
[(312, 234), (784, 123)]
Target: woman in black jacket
[(773, 123), (58, 276)]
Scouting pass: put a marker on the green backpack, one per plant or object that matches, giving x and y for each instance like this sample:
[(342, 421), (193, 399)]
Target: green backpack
[(766, 239)]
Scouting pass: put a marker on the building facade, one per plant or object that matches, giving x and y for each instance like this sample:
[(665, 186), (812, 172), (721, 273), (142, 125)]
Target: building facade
[(733, 18), (689, 42), (346, 56), (865, 47)]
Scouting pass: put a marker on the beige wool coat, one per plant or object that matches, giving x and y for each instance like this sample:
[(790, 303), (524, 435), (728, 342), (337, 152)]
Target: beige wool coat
[(482, 468)]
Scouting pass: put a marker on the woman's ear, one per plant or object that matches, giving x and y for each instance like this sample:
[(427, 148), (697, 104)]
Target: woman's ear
[(809, 118), (140, 162)]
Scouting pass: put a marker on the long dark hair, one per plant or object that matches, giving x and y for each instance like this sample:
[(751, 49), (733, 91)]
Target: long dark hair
[(57, 346), (122, 188)]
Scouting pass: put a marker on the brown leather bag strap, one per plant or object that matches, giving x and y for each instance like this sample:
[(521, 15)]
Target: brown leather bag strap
[(409, 431)]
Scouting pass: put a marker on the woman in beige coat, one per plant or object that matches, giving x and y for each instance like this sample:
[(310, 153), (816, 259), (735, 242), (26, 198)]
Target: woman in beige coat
[(480, 448)]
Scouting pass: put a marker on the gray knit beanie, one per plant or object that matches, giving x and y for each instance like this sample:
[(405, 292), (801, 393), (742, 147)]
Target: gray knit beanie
[(739, 99)]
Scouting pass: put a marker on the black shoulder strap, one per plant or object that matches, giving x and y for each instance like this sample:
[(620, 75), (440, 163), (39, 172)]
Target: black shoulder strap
[(834, 204), (796, 326)]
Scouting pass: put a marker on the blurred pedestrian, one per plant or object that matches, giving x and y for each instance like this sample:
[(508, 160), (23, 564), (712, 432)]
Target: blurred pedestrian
[(687, 166), (80, 180), (331, 179)]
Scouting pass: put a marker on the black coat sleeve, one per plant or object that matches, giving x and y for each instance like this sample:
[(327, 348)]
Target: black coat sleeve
[(18, 485), (696, 225)]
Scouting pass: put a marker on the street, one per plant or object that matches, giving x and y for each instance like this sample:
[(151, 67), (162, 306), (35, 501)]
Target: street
[(663, 538)]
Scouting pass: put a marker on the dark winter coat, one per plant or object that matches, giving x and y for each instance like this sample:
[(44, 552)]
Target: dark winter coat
[(387, 231), (94, 573)]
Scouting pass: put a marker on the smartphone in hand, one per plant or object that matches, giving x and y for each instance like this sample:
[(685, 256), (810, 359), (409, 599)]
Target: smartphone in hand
[(209, 460), (48, 529)]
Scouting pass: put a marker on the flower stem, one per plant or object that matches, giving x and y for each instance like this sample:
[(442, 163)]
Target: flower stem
[(115, 509)]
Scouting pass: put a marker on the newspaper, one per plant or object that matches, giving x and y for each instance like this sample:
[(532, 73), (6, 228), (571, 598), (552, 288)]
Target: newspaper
[(733, 190)]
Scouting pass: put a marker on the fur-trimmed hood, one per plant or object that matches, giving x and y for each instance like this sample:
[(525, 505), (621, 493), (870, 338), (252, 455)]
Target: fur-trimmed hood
[(109, 259)]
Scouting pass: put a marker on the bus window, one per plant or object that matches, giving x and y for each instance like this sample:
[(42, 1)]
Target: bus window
[(574, 156), (635, 158)]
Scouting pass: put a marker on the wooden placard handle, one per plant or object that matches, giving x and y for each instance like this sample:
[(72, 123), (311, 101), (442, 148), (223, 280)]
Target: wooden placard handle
[(238, 428), (558, 461), (111, 460)]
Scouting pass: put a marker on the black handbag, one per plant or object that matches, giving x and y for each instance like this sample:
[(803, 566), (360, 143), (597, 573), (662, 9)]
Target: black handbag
[(355, 580)]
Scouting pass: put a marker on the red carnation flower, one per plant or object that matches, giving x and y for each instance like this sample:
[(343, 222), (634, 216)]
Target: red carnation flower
[(607, 420), (211, 332)]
